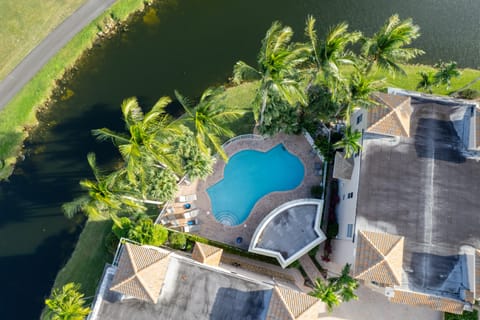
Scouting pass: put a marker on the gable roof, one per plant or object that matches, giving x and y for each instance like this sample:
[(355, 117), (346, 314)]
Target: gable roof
[(379, 257), (287, 304), (141, 272), (207, 254), (391, 117), (434, 302)]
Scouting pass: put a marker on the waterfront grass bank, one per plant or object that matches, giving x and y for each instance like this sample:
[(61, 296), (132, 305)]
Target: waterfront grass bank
[(20, 113)]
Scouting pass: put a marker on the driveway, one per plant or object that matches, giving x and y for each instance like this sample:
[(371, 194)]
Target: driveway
[(375, 306), (42, 53)]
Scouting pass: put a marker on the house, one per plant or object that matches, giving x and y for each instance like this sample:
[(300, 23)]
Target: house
[(147, 283), (409, 201)]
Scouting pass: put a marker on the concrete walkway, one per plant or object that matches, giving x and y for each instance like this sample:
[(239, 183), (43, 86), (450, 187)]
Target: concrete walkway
[(42, 53), (310, 268)]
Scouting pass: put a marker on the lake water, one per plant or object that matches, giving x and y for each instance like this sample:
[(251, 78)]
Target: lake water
[(192, 45)]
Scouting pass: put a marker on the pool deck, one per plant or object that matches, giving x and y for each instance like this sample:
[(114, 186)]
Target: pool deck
[(210, 228)]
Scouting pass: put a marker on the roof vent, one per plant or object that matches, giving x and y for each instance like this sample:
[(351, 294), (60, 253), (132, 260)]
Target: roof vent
[(389, 292)]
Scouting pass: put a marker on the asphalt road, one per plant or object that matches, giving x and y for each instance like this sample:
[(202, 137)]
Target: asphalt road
[(42, 53)]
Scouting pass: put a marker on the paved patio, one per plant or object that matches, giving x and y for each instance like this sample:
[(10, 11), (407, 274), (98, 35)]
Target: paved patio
[(210, 228)]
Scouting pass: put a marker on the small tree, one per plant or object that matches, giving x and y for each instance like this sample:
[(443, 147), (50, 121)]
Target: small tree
[(345, 285), (146, 232), (427, 81), (446, 72), (325, 292), (177, 240), (350, 142), (67, 304), (336, 289)]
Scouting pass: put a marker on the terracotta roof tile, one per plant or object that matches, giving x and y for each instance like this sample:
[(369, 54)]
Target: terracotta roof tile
[(391, 117), (288, 304), (379, 257), (141, 272), (434, 302), (207, 254)]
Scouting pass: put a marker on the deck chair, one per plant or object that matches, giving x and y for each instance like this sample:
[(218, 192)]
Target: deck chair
[(187, 198)]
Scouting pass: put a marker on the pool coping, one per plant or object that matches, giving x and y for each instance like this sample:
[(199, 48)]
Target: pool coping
[(278, 210), (212, 229)]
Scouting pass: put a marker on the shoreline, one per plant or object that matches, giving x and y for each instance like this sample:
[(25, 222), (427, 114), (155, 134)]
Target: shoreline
[(19, 116)]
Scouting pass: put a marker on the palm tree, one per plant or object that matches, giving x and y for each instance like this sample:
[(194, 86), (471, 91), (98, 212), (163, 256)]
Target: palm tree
[(325, 292), (148, 136), (278, 64), (387, 49), (427, 81), (101, 200), (359, 94), (350, 142), (331, 53), (209, 119), (447, 71), (345, 285), (67, 304)]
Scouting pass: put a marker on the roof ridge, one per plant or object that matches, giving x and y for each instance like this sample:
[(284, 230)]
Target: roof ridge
[(282, 298), (392, 112)]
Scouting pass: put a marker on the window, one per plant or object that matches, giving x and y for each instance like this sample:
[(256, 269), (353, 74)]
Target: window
[(359, 118), (350, 195), (349, 230)]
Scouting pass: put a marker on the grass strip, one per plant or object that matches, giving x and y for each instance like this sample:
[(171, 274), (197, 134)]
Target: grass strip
[(86, 264), (21, 110), (24, 23)]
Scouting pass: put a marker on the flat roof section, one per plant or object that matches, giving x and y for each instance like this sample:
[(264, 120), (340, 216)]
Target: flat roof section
[(192, 291), (289, 231), (426, 189)]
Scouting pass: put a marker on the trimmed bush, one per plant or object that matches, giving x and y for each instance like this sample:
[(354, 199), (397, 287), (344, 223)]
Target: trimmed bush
[(316, 192), (177, 240)]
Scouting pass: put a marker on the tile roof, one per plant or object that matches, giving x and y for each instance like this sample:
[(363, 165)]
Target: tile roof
[(379, 257), (287, 304), (141, 272), (391, 117), (434, 302), (207, 254)]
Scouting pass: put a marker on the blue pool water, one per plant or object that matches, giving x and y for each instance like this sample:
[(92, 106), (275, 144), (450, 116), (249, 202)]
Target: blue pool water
[(248, 176)]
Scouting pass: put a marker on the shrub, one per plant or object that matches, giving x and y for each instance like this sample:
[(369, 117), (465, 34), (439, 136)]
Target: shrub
[(146, 232), (469, 94), (177, 240), (325, 147), (465, 316), (121, 231), (316, 192), (332, 229)]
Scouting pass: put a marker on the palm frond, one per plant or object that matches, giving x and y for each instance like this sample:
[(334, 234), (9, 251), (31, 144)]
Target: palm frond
[(75, 206), (244, 72), (104, 134)]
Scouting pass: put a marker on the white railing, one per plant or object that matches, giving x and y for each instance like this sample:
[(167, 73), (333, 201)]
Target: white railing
[(249, 136)]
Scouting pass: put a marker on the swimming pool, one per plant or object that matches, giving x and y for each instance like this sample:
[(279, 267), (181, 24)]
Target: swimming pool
[(248, 176)]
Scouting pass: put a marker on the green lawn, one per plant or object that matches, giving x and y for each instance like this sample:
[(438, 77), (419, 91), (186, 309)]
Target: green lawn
[(465, 316), (20, 111), (24, 24), (86, 264)]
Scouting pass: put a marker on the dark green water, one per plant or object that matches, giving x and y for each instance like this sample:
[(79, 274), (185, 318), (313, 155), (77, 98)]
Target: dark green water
[(194, 45)]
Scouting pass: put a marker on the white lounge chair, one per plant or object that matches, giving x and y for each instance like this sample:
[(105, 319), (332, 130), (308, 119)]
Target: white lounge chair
[(191, 214), (187, 198), (191, 228)]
